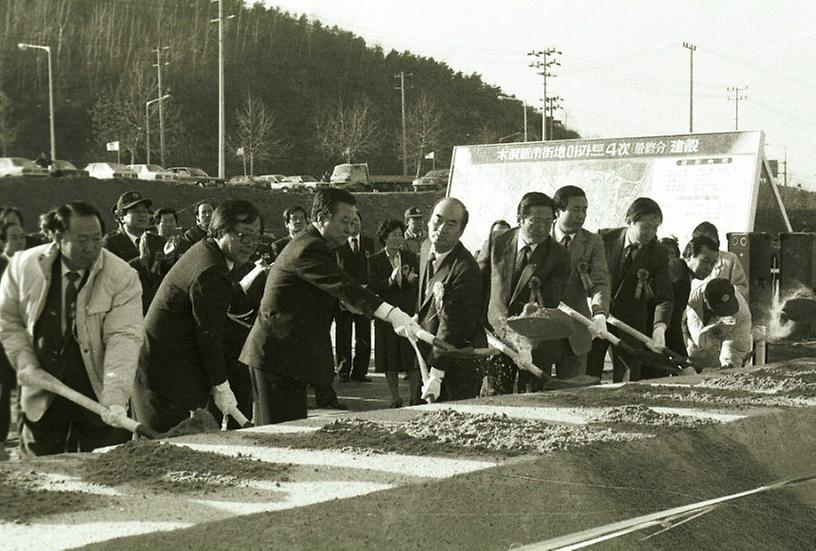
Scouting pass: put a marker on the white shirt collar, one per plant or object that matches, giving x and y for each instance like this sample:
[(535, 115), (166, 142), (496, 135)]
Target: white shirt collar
[(520, 244), (560, 235), (65, 269), (440, 257), (133, 238)]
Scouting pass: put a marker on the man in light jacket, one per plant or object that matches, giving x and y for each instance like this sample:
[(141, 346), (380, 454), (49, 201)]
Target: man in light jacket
[(73, 310)]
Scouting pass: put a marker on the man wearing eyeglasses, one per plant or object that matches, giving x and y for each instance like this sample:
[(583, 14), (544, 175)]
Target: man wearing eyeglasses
[(509, 262), (183, 366)]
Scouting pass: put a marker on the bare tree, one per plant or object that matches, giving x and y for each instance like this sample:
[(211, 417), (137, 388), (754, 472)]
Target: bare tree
[(7, 131), (119, 113), (256, 133), (347, 131), (424, 129)]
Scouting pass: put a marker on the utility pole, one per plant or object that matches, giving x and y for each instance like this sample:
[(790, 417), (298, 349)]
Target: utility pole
[(222, 131), (691, 48), (401, 76), (158, 49), (736, 99), (543, 62), (553, 103)]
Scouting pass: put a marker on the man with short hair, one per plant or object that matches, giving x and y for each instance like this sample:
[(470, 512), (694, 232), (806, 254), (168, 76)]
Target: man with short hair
[(588, 279), (728, 264), (641, 288), (199, 231), (352, 256), (510, 261), (132, 212), (73, 310), (717, 326), (289, 344), (295, 219), (450, 304), (414, 230), (695, 264), (184, 366), (166, 220)]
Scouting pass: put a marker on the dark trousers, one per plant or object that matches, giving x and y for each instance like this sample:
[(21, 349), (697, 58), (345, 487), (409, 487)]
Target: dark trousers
[(621, 361), (462, 381), (67, 427), (344, 322), (153, 409), (277, 398), (8, 381)]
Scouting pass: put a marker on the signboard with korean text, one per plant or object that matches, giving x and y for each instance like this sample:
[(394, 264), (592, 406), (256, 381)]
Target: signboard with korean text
[(694, 177)]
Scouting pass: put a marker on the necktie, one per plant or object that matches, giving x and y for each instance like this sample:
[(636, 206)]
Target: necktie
[(521, 261), (429, 271), (71, 292), (628, 257), (354, 247), (566, 241)]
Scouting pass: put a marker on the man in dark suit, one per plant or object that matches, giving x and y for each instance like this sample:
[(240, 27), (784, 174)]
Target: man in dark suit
[(352, 257), (290, 343), (132, 211), (589, 278), (641, 287), (197, 232), (183, 365), (697, 262), (509, 262), (295, 219), (450, 303)]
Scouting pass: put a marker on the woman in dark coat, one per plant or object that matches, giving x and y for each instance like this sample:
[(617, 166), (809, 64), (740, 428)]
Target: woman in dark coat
[(392, 274)]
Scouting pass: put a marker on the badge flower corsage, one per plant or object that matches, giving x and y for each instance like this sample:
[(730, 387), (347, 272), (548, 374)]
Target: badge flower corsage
[(583, 273), (643, 284), (438, 294)]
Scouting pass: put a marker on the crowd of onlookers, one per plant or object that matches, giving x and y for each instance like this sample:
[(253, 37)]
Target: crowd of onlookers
[(154, 321)]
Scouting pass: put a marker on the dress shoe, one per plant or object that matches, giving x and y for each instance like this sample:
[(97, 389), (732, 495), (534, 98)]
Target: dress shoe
[(333, 405), (362, 379)]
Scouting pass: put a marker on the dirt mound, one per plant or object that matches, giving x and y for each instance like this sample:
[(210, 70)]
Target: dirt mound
[(642, 415), (21, 500), (172, 468), (795, 379)]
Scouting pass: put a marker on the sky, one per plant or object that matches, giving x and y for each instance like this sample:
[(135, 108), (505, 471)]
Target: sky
[(623, 69)]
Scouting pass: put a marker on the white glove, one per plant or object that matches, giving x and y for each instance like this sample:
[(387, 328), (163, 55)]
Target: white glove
[(404, 325), (224, 398), (115, 416), (659, 336), (433, 386), (599, 326)]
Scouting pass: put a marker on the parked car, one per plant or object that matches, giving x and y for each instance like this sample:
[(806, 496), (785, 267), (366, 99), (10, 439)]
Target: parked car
[(18, 166), (304, 182), (434, 180), (109, 171), (275, 182), (66, 169), (249, 181), (152, 172), (195, 176)]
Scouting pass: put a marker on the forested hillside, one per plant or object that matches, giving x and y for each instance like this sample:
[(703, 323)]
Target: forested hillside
[(291, 86)]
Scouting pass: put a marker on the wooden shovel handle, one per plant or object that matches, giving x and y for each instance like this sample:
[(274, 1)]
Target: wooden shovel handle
[(428, 338), (585, 321), (648, 341), (495, 342), (46, 381)]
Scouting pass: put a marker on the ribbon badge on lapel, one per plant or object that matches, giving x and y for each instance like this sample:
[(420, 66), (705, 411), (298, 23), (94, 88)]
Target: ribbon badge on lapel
[(583, 273), (643, 284), (438, 294)]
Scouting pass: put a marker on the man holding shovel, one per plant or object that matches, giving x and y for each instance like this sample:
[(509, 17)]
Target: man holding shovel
[(72, 310), (512, 262)]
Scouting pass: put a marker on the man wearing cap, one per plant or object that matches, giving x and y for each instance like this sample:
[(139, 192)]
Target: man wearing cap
[(717, 326), (414, 233), (132, 212)]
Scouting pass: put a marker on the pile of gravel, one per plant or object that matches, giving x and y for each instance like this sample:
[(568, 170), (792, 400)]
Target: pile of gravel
[(172, 468), (796, 379), (643, 415)]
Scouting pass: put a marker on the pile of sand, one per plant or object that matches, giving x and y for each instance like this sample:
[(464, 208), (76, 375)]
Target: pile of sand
[(23, 499), (172, 468), (642, 415), (795, 379)]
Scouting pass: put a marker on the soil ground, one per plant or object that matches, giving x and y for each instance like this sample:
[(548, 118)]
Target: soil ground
[(427, 478)]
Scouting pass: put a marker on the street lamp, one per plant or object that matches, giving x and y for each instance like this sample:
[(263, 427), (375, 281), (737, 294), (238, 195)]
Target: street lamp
[(523, 106), (24, 46), (147, 122)]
